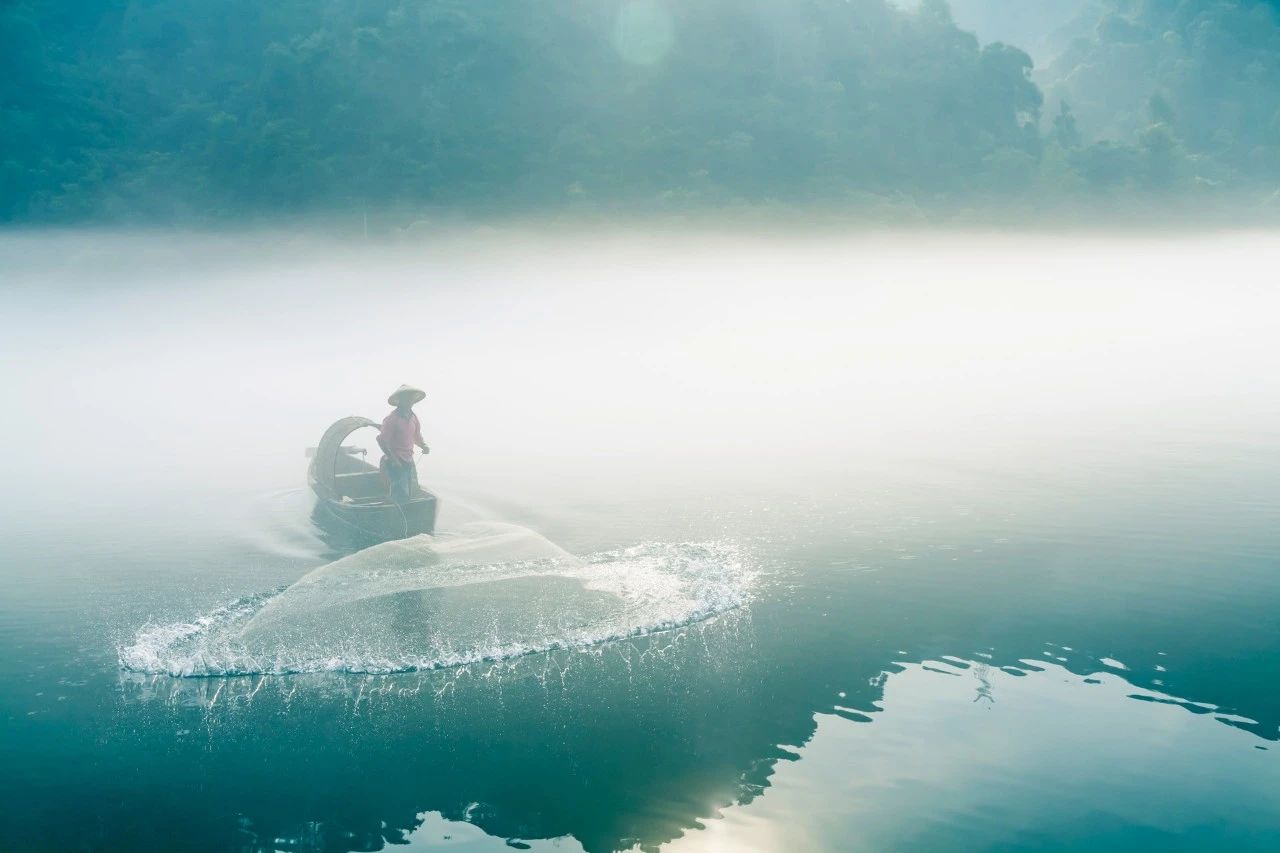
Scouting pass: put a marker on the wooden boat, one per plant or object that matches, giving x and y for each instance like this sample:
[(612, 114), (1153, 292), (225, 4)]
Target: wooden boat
[(354, 494)]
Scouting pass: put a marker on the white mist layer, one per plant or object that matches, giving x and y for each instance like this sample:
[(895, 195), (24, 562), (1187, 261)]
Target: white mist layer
[(488, 592)]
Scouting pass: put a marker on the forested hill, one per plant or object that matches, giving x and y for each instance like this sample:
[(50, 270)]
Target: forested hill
[(125, 110)]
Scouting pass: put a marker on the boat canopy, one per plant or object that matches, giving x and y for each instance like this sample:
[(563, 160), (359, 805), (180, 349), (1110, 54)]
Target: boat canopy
[(325, 462)]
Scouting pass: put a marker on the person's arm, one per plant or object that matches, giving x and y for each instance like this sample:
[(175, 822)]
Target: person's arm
[(418, 437)]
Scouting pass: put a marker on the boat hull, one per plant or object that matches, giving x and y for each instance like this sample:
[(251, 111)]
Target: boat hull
[(381, 522), (352, 496)]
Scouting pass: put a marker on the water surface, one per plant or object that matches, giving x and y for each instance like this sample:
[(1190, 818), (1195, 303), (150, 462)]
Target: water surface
[(748, 543)]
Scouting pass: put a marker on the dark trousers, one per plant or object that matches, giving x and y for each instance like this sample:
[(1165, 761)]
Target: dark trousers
[(404, 479)]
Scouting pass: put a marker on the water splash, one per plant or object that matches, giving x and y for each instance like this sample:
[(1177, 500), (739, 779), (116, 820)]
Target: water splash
[(487, 592)]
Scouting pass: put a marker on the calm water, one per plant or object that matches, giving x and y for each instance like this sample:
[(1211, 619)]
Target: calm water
[(894, 542)]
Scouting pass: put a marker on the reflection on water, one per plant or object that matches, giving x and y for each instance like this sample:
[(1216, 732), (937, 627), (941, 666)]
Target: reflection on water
[(965, 755), (1009, 508), (703, 731)]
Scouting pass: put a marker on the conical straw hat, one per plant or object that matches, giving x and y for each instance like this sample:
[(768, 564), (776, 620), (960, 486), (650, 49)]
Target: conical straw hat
[(414, 395)]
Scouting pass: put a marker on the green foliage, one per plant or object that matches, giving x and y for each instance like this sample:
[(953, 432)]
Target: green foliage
[(209, 109), (1192, 87), (1065, 131)]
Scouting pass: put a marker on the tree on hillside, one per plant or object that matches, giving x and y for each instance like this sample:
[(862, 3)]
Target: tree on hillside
[(1195, 75)]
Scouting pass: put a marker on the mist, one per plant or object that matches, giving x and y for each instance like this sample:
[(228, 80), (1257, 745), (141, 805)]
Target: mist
[(599, 362)]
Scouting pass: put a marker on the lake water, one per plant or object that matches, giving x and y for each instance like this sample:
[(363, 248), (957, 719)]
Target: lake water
[(750, 542)]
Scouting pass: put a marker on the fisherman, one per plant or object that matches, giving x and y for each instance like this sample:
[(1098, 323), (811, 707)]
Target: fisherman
[(400, 432)]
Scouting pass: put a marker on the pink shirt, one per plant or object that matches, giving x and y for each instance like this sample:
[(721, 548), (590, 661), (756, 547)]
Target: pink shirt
[(399, 435)]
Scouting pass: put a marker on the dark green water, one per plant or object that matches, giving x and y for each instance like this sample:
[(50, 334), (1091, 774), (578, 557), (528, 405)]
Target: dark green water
[(1042, 637)]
